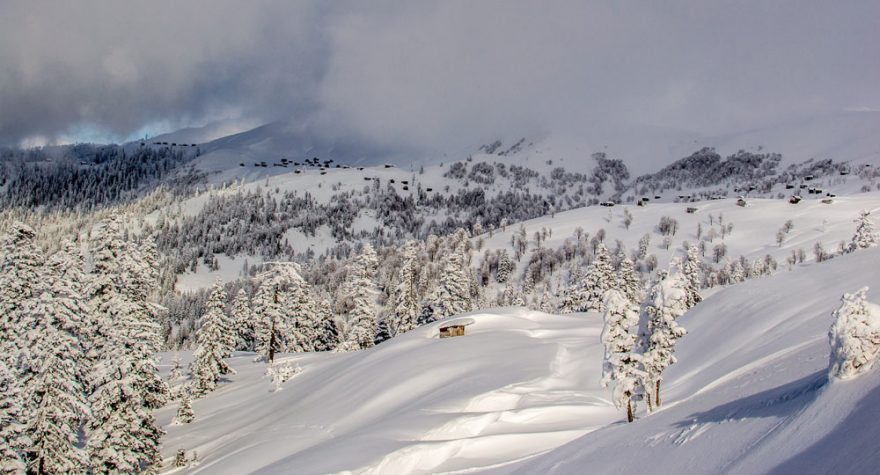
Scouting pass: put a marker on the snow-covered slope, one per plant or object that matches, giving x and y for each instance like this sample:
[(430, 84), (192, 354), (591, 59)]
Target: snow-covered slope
[(749, 395)]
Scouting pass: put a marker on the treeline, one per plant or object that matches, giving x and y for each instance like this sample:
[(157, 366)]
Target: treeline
[(85, 177)]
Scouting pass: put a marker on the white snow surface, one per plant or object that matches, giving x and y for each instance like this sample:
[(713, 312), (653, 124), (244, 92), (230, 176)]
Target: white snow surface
[(520, 393)]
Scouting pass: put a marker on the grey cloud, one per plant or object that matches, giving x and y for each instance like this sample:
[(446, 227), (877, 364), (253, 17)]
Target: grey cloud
[(432, 74)]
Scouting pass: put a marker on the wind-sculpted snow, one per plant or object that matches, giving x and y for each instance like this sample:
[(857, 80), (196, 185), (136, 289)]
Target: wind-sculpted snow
[(747, 395)]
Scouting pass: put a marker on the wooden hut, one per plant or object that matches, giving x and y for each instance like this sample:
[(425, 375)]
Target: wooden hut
[(455, 327)]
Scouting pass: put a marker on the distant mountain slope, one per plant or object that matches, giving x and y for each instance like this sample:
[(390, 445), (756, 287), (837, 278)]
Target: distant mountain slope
[(847, 136)]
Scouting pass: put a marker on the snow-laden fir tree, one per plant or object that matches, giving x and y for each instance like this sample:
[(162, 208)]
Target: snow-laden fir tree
[(118, 290), (505, 267), (21, 275), (360, 293), (405, 295), (241, 315), (123, 436), (854, 336), (275, 310), (599, 279), (328, 333), (12, 439), (691, 273), (622, 366), (56, 391), (865, 236), (454, 293), (213, 342), (628, 281), (666, 302), (185, 413), (572, 297), (548, 300)]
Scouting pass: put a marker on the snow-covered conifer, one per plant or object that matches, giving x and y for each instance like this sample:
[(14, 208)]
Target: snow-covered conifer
[(666, 302), (242, 319), (361, 293), (691, 274), (185, 413), (56, 391), (865, 236), (212, 338), (599, 279), (274, 309), (21, 276), (622, 366), (12, 437), (328, 334), (405, 296), (628, 281), (854, 336), (505, 267), (454, 293)]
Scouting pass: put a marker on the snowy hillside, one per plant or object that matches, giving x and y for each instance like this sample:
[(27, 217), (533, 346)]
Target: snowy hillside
[(845, 137), (749, 388)]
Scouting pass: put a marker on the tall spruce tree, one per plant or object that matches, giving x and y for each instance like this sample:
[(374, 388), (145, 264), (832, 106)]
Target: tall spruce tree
[(692, 279), (600, 278), (213, 342), (12, 438), (360, 292), (454, 292), (242, 317), (622, 366), (666, 302), (405, 296)]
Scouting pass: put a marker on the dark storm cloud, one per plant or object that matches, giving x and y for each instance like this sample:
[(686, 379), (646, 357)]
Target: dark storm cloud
[(429, 73)]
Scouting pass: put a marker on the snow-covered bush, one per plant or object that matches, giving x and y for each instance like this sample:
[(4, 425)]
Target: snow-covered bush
[(854, 336)]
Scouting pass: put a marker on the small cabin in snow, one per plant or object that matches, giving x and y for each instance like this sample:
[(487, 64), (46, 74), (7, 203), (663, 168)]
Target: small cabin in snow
[(741, 201), (691, 210), (455, 327)]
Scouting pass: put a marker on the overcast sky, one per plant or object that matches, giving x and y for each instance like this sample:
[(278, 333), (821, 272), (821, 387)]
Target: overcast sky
[(426, 74)]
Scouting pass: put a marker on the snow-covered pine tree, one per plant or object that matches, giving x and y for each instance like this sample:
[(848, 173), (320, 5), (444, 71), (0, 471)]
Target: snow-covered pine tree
[(622, 366), (505, 267), (123, 436), (405, 296), (548, 302), (12, 438), (328, 334), (866, 235), (273, 321), (599, 279), (666, 302), (213, 339), (692, 278), (573, 295), (21, 276), (382, 331), (56, 391), (185, 413), (242, 317), (176, 372), (360, 291), (454, 292), (628, 281), (118, 290), (854, 336)]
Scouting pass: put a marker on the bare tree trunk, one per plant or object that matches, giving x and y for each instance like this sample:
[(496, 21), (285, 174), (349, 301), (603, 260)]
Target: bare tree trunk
[(657, 394), (629, 411)]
